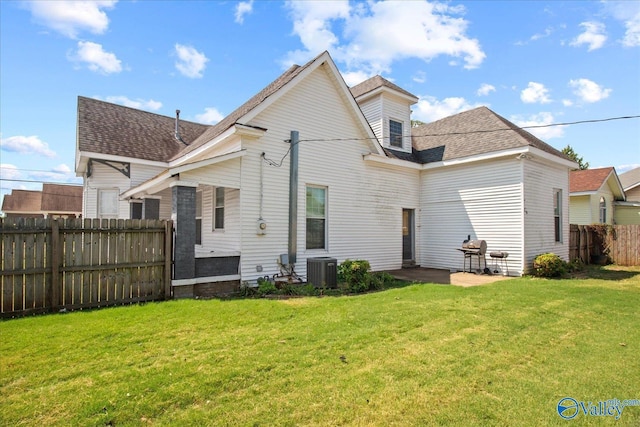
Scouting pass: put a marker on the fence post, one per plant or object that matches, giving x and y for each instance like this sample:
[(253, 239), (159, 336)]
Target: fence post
[(55, 265)]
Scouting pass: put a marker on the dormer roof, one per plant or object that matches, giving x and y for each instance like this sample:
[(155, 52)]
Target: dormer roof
[(378, 84)]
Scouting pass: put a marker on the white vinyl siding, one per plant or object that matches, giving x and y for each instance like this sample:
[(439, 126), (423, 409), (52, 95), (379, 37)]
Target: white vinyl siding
[(580, 210), (380, 109), (481, 200), (364, 202), (540, 181)]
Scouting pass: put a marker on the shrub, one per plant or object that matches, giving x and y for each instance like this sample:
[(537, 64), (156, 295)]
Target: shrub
[(549, 265), (266, 287), (355, 275), (380, 280)]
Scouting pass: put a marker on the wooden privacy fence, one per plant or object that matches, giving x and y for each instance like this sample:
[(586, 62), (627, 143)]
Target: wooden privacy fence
[(50, 265), (621, 243)]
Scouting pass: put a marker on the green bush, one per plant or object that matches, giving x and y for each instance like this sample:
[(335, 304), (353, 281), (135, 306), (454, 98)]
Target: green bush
[(355, 275), (380, 280), (266, 287), (549, 265)]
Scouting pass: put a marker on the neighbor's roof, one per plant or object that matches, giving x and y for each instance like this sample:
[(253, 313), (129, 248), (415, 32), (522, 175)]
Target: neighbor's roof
[(374, 83), (470, 133), (122, 131), (61, 198), (581, 181), (22, 201), (630, 179)]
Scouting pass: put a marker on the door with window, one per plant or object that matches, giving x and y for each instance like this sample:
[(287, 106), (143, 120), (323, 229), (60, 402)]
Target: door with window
[(408, 244)]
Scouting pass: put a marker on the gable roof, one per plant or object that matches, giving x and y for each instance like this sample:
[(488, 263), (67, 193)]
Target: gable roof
[(470, 133), (378, 82), (630, 179), (113, 129), (592, 180), (61, 198)]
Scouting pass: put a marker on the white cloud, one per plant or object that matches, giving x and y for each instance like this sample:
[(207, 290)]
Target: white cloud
[(243, 8), (191, 63), (8, 171), (547, 32), (429, 109), (71, 17), (419, 77), (26, 145), (589, 91), (594, 36), (375, 34), (210, 116), (139, 104), (540, 119), (627, 12), (567, 102), (96, 58), (352, 78), (485, 89), (535, 93), (60, 173)]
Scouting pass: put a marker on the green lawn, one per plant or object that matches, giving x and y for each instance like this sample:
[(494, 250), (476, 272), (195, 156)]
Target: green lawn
[(499, 354)]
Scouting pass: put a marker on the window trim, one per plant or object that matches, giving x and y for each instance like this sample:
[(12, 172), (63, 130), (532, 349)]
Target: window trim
[(324, 218), (392, 140), (557, 215), (602, 209), (199, 197), (214, 215), (109, 215)]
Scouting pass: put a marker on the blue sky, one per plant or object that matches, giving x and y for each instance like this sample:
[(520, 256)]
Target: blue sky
[(533, 62)]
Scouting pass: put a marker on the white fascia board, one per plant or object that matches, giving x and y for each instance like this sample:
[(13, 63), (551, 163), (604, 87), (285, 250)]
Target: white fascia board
[(582, 193), (206, 162), (631, 204), (383, 89), (236, 129), (383, 160), (91, 155), (514, 152)]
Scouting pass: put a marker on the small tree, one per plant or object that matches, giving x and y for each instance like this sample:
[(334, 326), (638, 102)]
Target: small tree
[(568, 151)]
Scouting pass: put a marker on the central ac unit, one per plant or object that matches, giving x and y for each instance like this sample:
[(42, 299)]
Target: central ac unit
[(322, 272)]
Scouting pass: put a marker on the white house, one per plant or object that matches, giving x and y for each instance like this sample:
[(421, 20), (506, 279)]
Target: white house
[(369, 186)]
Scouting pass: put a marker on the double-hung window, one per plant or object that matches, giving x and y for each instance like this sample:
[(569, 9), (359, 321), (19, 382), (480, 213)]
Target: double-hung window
[(557, 214), (108, 203), (603, 210), (218, 210), (198, 217), (316, 217), (395, 133)]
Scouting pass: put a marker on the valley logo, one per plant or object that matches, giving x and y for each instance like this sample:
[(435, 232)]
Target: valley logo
[(569, 408)]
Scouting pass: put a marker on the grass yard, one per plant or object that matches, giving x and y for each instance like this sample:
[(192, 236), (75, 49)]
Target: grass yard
[(498, 354)]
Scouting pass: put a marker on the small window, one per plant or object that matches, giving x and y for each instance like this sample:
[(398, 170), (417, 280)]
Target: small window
[(557, 214), (108, 203), (218, 211), (395, 133), (316, 217), (603, 210), (198, 217), (136, 210)]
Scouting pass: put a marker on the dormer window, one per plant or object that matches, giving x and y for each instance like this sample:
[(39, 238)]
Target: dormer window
[(395, 133)]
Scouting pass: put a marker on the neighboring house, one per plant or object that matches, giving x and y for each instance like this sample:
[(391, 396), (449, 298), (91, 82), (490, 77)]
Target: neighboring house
[(54, 201), (369, 186), (593, 197), (628, 212)]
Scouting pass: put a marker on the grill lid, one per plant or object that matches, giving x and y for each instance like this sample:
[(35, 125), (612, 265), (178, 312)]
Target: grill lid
[(479, 245)]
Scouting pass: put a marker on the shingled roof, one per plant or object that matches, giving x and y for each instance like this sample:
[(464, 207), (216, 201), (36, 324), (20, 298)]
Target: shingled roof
[(374, 83), (630, 179), (470, 133), (588, 180), (122, 131)]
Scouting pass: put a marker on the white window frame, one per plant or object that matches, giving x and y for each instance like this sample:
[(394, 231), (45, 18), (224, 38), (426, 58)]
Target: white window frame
[(103, 211), (557, 215), (391, 137), (217, 207), (199, 201), (602, 208), (323, 217)]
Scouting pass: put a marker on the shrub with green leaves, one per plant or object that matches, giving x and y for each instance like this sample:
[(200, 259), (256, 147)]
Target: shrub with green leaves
[(266, 287), (549, 265), (355, 275)]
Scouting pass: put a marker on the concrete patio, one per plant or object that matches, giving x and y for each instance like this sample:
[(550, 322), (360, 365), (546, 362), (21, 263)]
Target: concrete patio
[(444, 277)]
